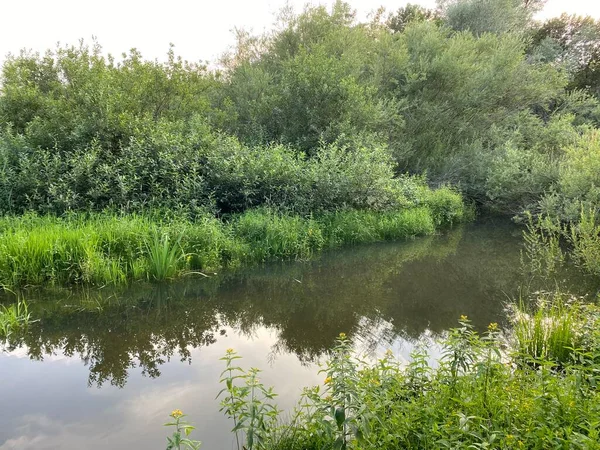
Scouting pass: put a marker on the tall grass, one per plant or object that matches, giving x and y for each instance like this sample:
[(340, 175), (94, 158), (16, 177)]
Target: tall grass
[(13, 317), (163, 257), (550, 332), (111, 249)]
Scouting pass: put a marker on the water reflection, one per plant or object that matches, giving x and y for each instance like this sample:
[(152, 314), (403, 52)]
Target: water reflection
[(287, 314), (379, 293)]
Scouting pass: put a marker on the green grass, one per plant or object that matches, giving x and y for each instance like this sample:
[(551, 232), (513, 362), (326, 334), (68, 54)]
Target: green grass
[(164, 254), (555, 329), (107, 248), (13, 317)]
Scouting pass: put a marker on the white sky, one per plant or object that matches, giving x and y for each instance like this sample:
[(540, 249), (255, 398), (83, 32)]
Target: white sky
[(200, 29)]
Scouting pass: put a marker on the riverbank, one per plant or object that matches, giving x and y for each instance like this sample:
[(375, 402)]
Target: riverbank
[(532, 385), (107, 248)]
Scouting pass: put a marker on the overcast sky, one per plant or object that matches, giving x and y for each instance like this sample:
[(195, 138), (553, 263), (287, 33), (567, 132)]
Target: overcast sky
[(200, 29)]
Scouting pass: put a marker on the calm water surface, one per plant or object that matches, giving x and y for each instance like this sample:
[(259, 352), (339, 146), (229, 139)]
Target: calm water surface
[(102, 369)]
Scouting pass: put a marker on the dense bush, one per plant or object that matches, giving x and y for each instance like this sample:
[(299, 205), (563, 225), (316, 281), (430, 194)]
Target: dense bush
[(189, 166), (301, 117)]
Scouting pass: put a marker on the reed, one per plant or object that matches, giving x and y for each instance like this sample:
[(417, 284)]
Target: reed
[(107, 248)]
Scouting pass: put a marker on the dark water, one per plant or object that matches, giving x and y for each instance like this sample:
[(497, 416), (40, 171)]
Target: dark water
[(102, 369)]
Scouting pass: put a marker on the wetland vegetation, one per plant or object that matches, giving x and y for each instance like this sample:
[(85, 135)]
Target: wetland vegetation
[(148, 210)]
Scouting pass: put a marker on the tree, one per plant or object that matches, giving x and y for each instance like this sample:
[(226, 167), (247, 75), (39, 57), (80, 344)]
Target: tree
[(572, 42), (410, 13), (489, 16)]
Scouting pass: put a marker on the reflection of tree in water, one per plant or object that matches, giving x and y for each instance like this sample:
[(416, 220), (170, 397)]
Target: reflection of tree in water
[(377, 293)]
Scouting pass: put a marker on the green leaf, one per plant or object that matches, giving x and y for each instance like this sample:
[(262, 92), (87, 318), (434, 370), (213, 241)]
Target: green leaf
[(340, 416)]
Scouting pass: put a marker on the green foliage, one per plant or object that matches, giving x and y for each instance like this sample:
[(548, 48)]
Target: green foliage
[(571, 42), (73, 95), (578, 185), (553, 332), (115, 248), (489, 16), (163, 257), (248, 403), (585, 239), (408, 14), (317, 115), (543, 253), (14, 317), (536, 390), (308, 83), (177, 441), (195, 169)]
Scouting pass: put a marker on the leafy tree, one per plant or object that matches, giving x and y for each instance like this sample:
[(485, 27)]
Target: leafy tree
[(408, 14), (489, 16), (311, 84), (574, 43), (74, 95)]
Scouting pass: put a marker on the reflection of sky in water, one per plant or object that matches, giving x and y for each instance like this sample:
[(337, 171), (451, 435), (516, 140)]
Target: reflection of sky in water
[(52, 407), (281, 318), (48, 405)]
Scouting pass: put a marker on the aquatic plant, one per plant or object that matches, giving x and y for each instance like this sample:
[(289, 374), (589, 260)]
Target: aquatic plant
[(107, 248), (13, 317), (163, 257)]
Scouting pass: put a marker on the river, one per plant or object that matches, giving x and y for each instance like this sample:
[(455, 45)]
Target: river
[(103, 368)]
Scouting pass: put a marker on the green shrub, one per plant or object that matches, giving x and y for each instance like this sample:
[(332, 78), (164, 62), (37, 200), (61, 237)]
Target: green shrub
[(446, 206)]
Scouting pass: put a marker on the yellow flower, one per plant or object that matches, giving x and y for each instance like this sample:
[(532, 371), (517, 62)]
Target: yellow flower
[(389, 352), (176, 413), (493, 326), (328, 380), (463, 317), (229, 351), (342, 335)]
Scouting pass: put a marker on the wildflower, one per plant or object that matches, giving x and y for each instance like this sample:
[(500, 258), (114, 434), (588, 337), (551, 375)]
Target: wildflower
[(329, 399), (176, 413), (493, 326), (342, 335), (463, 318), (328, 380), (389, 352), (188, 258), (229, 351)]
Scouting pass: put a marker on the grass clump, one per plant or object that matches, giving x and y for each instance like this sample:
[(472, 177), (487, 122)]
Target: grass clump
[(556, 328), (13, 317), (163, 257)]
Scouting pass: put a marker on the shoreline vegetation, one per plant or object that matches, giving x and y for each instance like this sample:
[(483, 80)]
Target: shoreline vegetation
[(324, 132), (530, 387), (106, 248)]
